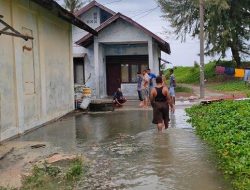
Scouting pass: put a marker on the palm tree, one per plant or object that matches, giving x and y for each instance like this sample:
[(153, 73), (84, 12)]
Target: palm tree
[(74, 5)]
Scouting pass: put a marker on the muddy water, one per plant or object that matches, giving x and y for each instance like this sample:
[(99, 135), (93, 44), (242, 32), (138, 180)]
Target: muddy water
[(126, 152)]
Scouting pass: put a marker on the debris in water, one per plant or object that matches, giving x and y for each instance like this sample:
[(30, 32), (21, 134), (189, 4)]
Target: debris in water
[(38, 146)]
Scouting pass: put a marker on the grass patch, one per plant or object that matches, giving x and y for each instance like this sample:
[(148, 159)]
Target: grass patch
[(48, 177), (190, 75), (183, 89), (225, 126), (231, 86)]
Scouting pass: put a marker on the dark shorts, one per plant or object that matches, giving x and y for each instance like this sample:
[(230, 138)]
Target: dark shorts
[(160, 112)]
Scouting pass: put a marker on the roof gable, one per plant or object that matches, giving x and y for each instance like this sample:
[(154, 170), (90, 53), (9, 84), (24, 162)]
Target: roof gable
[(90, 6), (65, 15), (88, 39)]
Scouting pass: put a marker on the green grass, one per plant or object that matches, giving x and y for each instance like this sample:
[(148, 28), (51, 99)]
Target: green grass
[(183, 89), (48, 177), (190, 75), (225, 126), (231, 86)]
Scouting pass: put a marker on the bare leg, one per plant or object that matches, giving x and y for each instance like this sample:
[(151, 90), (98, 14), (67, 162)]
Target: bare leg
[(166, 123), (173, 99), (141, 103), (145, 102), (160, 127)]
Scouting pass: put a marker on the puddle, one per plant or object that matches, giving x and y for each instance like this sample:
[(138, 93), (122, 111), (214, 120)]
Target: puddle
[(126, 152)]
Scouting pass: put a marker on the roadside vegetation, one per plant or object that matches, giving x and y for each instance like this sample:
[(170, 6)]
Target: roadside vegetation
[(51, 177), (225, 126), (184, 89), (191, 75), (222, 83), (48, 177), (232, 86)]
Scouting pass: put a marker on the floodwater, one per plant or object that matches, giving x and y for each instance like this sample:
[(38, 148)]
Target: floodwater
[(126, 151)]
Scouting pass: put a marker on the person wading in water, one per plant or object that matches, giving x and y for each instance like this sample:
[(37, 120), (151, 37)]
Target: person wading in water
[(161, 101)]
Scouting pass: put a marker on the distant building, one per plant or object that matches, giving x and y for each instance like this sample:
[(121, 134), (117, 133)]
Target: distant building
[(36, 76), (113, 58)]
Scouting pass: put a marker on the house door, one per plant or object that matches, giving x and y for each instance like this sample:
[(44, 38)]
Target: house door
[(113, 78)]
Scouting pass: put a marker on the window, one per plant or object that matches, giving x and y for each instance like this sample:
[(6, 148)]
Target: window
[(134, 70), (129, 72), (125, 72), (79, 77), (104, 16), (95, 17)]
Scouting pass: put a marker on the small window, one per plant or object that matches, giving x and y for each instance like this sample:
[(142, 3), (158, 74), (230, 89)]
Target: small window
[(129, 72), (134, 70), (125, 72), (79, 77), (95, 17)]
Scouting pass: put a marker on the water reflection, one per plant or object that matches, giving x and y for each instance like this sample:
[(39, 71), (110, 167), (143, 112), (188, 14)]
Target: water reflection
[(138, 157), (172, 120)]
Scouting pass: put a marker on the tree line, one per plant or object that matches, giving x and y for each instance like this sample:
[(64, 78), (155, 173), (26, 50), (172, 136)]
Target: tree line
[(227, 24)]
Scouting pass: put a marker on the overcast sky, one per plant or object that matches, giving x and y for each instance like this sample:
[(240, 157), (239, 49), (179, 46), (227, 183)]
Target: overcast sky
[(149, 15)]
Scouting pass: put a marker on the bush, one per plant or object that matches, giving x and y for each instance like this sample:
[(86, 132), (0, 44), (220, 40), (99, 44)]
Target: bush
[(225, 126)]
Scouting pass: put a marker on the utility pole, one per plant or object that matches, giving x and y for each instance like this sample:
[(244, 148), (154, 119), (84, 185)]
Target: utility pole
[(202, 66)]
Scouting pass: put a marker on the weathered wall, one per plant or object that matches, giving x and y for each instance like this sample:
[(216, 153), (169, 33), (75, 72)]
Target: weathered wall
[(8, 96), (89, 67), (37, 84), (122, 33), (126, 49), (78, 33), (156, 56)]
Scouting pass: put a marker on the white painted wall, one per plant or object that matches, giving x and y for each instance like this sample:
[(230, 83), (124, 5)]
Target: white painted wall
[(35, 86), (78, 33), (122, 33)]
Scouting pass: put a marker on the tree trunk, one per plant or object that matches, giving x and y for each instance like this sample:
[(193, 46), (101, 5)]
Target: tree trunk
[(236, 55)]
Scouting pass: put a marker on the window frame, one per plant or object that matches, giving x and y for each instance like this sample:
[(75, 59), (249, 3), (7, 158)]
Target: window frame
[(139, 67), (78, 61)]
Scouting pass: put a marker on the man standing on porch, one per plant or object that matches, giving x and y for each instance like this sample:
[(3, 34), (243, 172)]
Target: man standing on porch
[(145, 88)]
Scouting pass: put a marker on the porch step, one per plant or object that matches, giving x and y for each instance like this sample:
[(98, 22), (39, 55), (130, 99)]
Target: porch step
[(100, 105)]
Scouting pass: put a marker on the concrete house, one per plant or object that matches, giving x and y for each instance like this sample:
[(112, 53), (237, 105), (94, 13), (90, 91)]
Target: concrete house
[(36, 67), (113, 57)]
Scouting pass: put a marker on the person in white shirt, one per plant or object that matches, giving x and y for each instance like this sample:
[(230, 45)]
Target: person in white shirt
[(145, 88)]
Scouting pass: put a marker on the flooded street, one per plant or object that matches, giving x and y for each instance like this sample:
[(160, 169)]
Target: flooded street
[(126, 152)]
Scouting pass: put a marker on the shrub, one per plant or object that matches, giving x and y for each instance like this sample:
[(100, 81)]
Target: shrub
[(225, 126)]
